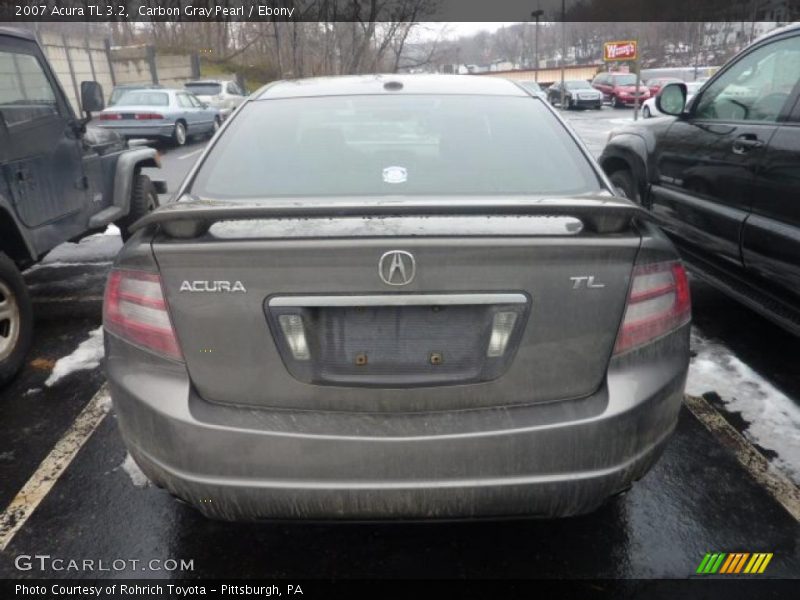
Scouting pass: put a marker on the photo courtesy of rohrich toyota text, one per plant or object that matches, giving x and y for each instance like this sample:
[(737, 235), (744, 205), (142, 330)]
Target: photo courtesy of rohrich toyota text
[(399, 298)]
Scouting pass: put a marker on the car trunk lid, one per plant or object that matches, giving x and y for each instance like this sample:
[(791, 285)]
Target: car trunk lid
[(370, 312)]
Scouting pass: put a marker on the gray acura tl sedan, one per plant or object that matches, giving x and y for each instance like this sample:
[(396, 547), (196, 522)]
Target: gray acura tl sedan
[(388, 297)]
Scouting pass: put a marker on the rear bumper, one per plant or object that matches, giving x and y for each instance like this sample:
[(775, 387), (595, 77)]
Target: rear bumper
[(554, 459), (143, 131)]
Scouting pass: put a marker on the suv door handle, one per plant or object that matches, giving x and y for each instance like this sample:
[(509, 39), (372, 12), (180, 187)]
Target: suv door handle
[(745, 143)]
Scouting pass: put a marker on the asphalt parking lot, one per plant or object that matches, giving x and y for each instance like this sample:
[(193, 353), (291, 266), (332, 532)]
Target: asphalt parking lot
[(699, 498)]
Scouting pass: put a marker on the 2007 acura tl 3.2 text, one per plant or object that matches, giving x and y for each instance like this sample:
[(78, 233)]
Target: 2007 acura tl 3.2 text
[(396, 297)]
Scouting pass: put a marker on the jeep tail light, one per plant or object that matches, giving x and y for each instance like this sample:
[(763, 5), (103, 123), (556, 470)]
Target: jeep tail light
[(135, 310), (109, 117), (658, 303), (147, 116)]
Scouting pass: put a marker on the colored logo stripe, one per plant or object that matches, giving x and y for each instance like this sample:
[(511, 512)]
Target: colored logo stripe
[(734, 563)]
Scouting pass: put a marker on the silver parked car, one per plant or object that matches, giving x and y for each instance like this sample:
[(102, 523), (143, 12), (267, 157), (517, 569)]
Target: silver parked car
[(167, 114), (223, 95), (396, 297)]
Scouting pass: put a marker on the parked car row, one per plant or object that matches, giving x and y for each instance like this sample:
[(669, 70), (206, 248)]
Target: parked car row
[(618, 89), (175, 115)]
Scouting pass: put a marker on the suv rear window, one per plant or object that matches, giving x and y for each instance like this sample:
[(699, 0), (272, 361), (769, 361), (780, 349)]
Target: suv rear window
[(204, 89), (395, 145)]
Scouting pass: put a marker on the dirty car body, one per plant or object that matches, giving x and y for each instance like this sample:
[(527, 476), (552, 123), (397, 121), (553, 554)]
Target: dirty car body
[(417, 297)]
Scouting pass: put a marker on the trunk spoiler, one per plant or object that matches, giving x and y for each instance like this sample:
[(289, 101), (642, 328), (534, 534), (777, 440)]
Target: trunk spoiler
[(189, 218)]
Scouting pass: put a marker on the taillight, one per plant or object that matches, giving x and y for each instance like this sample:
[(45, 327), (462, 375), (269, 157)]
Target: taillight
[(109, 117), (658, 303), (147, 116), (135, 310)]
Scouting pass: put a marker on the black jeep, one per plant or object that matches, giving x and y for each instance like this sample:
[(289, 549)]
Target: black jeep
[(60, 179)]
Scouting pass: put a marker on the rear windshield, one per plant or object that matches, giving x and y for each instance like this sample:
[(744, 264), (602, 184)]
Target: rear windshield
[(625, 79), (140, 98), (394, 145), (204, 89)]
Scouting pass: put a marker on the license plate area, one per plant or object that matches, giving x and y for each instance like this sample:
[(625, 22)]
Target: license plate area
[(397, 340)]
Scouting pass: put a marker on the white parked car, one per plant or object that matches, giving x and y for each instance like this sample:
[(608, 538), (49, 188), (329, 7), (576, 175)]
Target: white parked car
[(224, 95), (649, 107)]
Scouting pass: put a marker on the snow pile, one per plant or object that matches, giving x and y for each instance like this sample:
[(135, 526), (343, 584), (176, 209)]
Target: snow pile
[(138, 478), (773, 418), (86, 356), (93, 249)]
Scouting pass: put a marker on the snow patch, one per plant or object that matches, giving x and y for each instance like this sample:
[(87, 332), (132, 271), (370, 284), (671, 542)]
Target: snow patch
[(138, 478), (94, 248), (86, 356), (773, 418)]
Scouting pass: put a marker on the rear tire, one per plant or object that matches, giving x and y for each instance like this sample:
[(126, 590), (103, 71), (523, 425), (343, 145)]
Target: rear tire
[(626, 185), (615, 102), (16, 320), (144, 200), (646, 112), (179, 136), (215, 127)]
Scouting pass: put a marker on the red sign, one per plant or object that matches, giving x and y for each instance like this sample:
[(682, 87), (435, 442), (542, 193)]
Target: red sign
[(620, 50)]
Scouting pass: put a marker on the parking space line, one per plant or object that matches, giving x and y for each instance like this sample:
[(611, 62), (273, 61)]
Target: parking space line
[(53, 466), (774, 481), (190, 154)]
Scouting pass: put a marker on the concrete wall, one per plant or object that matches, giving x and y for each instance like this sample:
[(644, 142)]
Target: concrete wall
[(76, 59), (141, 64)]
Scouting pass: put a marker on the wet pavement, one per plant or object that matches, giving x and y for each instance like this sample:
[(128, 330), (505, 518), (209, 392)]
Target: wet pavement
[(697, 499)]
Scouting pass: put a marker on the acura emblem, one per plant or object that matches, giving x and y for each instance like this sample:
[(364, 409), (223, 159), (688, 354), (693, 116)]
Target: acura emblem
[(397, 267)]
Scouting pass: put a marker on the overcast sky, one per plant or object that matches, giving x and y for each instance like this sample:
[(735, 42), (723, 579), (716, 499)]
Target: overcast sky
[(430, 30)]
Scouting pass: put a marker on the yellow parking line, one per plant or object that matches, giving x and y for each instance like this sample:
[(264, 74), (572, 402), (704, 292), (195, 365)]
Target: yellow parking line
[(53, 466)]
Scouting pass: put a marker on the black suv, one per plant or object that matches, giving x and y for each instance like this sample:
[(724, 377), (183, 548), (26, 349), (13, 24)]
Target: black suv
[(723, 177), (60, 179)]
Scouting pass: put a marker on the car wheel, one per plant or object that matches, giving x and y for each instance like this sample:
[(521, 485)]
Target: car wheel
[(16, 320), (615, 102), (624, 183), (144, 200), (179, 135), (646, 112), (570, 104), (216, 126)]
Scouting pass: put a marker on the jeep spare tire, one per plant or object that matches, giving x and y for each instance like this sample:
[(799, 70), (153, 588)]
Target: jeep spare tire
[(16, 320), (144, 200)]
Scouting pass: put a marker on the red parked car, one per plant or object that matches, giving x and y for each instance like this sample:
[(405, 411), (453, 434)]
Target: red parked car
[(654, 85), (620, 88)]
